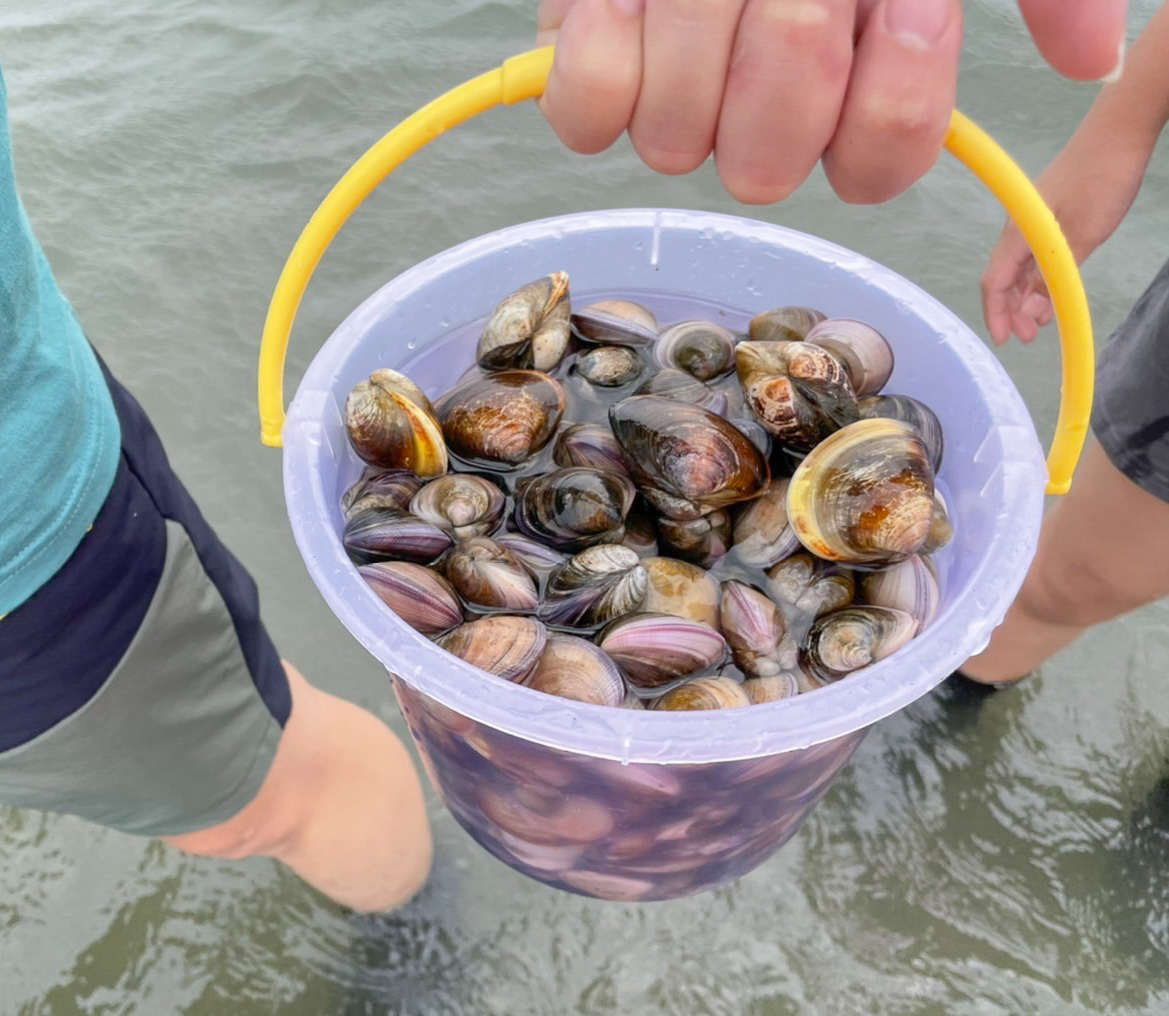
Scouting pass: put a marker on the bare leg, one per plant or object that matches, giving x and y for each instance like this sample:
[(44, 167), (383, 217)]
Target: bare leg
[(1103, 551), (342, 806)]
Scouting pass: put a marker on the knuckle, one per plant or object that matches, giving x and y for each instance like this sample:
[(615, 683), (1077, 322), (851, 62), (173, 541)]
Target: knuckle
[(912, 116), (699, 11), (812, 29)]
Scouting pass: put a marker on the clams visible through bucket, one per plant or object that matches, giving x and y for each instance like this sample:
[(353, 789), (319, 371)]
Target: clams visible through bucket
[(741, 529)]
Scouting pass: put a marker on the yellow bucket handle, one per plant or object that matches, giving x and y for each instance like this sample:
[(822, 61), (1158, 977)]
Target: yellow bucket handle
[(523, 77)]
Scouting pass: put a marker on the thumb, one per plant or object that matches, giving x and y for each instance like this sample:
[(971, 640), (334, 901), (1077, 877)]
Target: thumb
[(1083, 40)]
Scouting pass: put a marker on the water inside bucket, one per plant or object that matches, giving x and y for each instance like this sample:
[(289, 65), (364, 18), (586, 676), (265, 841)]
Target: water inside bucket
[(571, 793)]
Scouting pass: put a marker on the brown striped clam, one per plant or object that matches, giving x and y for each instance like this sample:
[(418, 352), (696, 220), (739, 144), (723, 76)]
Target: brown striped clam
[(655, 650), (391, 423), (615, 322), (489, 576), (505, 645), (575, 668), (462, 503), (595, 586), (419, 596), (865, 352), (703, 693), (843, 641), (702, 349), (790, 323), (574, 507), (529, 328)]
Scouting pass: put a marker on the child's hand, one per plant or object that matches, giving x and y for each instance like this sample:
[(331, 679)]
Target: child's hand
[(770, 87), (1014, 295)]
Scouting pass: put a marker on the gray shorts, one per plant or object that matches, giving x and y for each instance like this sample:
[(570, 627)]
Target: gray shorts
[(138, 687), (1130, 413)]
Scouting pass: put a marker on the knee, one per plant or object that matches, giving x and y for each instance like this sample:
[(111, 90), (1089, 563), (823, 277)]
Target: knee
[(1075, 590)]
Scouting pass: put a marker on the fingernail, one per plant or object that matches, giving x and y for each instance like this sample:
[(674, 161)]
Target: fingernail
[(1113, 75), (629, 8), (916, 23)]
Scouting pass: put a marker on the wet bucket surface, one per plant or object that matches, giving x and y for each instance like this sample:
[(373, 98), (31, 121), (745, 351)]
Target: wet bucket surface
[(634, 805)]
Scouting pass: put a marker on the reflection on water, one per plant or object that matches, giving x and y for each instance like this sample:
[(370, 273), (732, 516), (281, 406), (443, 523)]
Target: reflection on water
[(1002, 856)]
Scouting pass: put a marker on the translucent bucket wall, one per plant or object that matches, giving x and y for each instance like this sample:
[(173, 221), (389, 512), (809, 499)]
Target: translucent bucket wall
[(631, 804)]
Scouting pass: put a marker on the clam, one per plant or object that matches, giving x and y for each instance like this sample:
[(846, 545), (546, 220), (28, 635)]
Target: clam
[(391, 423), (501, 418), (486, 574), (800, 392), (686, 461), (805, 586), (575, 668), (700, 348), (864, 495), (588, 444), (537, 557), (941, 529), (756, 631), (641, 532), (654, 650), (682, 589), (701, 541), (574, 508), (773, 688), (672, 383), (420, 597), (384, 488), (378, 534), (463, 503), (846, 640), (909, 410), (864, 351), (593, 587), (703, 693), (506, 646), (791, 323), (762, 535), (529, 328), (610, 366), (616, 322), (908, 585)]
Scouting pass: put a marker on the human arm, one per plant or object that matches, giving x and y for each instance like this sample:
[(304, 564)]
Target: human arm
[(773, 86), (1090, 185)]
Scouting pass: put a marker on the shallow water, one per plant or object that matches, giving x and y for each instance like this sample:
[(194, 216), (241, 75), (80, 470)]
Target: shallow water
[(1003, 858)]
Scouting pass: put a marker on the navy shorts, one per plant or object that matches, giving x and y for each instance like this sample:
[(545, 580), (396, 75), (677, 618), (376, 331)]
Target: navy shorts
[(138, 687), (1130, 413)]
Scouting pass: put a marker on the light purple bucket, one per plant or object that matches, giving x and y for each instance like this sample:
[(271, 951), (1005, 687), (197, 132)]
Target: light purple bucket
[(628, 804)]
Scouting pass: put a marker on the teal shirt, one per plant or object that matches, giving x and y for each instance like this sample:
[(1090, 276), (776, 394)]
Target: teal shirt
[(59, 437)]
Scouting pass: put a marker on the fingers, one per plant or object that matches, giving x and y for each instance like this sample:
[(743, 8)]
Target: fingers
[(596, 75), (899, 99), (787, 80), (687, 46), (1014, 296), (1082, 40), (550, 15)]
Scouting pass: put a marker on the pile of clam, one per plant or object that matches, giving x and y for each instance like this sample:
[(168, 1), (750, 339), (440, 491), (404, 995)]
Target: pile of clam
[(677, 517)]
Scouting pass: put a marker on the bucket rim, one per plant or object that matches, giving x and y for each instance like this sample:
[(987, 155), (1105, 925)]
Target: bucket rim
[(881, 689)]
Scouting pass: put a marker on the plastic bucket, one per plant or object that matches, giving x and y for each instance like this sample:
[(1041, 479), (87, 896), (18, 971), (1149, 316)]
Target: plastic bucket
[(633, 805), (627, 804)]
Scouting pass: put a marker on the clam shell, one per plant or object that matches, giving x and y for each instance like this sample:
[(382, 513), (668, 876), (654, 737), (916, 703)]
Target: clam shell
[(772, 689), (700, 348), (701, 541), (805, 587), (800, 392), (574, 507), (844, 641), (865, 495), (537, 557), (756, 631), (393, 487), (672, 383), (686, 461), (391, 424), (762, 536), (588, 444), (909, 410), (575, 668), (420, 597), (864, 351), (610, 366), (783, 323), (503, 645), (486, 574), (941, 529), (465, 504), (593, 587), (379, 534), (682, 589), (529, 328), (501, 418), (908, 585), (616, 322), (703, 693), (654, 650)]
